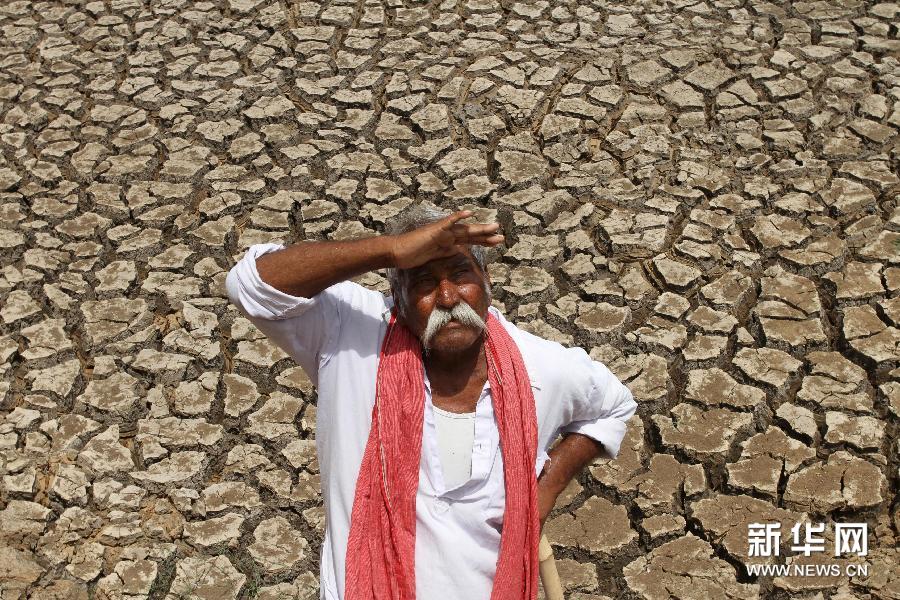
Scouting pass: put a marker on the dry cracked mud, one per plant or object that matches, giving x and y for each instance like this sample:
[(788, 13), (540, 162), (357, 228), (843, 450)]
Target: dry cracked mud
[(701, 193)]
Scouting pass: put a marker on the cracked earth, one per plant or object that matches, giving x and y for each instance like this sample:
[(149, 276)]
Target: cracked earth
[(703, 194)]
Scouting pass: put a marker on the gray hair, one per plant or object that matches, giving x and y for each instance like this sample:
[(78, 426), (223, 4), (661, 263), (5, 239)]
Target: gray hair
[(413, 217)]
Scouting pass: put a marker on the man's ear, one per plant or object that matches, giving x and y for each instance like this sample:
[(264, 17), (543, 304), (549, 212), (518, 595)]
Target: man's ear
[(397, 304), (485, 272)]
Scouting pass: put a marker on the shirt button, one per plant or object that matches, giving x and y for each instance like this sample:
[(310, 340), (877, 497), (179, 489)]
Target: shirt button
[(441, 506)]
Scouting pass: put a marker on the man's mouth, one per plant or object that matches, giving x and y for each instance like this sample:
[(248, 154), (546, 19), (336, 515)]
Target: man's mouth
[(436, 322)]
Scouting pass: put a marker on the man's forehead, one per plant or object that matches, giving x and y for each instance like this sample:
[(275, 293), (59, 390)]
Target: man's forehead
[(450, 261)]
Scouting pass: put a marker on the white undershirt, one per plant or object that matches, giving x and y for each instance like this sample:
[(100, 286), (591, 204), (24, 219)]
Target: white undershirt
[(455, 437)]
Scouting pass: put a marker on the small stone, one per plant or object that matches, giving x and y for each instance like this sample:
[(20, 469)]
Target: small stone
[(676, 274), (767, 365), (18, 305), (276, 417), (662, 485), (240, 394), (104, 454), (221, 496), (432, 118), (304, 587), (278, 546), (533, 247), (671, 305), (701, 433), (597, 526), (715, 387), (647, 74), (206, 577), (857, 281), (863, 433), (261, 353), (685, 567), (712, 321), (869, 335), (129, 579), (705, 348), (709, 76), (605, 318), (844, 481), (59, 379), (180, 466), (176, 432), (776, 231), (800, 420), (659, 526), (70, 485), (212, 532)]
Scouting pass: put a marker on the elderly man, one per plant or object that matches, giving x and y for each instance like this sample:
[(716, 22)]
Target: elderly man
[(435, 414)]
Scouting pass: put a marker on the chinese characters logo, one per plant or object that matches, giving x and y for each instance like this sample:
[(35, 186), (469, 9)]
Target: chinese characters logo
[(849, 538)]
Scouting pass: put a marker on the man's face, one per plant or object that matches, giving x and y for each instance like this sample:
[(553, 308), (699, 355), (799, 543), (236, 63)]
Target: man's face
[(446, 283)]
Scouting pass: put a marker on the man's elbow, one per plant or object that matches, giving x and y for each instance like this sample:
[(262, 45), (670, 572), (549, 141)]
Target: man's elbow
[(626, 407), (233, 288)]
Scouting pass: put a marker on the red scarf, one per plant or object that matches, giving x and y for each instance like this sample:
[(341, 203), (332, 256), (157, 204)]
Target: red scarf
[(382, 543)]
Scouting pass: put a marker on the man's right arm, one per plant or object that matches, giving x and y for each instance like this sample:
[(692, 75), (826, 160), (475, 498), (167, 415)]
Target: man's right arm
[(307, 268)]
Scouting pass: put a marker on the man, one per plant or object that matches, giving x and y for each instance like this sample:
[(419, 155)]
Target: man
[(429, 490)]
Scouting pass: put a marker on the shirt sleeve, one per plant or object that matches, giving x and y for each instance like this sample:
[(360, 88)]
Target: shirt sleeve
[(603, 417), (307, 329)]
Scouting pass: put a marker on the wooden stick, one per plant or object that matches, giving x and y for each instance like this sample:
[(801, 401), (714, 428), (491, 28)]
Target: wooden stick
[(547, 567)]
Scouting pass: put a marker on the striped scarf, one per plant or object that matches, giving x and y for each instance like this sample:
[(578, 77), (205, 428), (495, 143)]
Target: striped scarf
[(381, 547)]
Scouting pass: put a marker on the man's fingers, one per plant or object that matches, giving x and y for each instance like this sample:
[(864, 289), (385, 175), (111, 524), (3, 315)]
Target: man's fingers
[(484, 240), (484, 234), (461, 230), (450, 221)]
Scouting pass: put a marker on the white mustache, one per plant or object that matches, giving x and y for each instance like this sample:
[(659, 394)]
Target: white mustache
[(462, 313)]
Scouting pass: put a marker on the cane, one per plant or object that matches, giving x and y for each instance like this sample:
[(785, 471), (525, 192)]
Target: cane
[(547, 567)]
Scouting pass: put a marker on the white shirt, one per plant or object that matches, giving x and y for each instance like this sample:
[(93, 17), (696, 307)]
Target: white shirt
[(336, 337), (455, 437)]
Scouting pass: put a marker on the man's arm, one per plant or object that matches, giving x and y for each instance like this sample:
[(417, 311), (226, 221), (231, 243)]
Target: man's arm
[(307, 268), (600, 419), (567, 459)]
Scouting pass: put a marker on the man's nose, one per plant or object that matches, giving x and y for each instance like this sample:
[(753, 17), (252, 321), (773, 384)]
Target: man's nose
[(448, 294)]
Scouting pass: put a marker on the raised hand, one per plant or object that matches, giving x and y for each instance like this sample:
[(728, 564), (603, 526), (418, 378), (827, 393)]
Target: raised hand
[(441, 239)]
